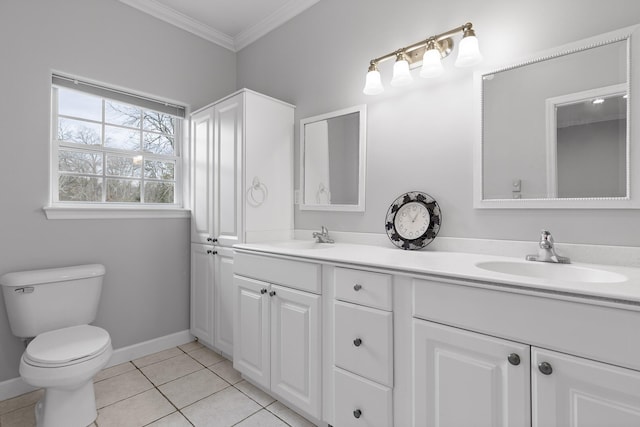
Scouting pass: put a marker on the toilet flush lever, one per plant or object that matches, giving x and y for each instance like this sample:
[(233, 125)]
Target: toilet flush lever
[(25, 290)]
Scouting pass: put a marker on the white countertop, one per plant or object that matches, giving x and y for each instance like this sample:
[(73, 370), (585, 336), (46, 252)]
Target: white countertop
[(459, 265)]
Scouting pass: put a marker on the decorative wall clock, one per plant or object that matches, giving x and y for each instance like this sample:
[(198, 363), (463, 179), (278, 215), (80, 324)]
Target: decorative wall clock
[(413, 220)]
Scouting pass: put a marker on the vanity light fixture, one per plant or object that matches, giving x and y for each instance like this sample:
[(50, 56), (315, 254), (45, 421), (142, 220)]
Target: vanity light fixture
[(598, 101), (429, 54)]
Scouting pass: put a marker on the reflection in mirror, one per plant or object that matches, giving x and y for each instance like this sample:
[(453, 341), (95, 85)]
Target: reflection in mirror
[(554, 130), (586, 146), (332, 160)]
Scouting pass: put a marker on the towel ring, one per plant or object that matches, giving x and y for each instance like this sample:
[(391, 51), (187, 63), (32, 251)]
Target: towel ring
[(257, 193), (322, 190)]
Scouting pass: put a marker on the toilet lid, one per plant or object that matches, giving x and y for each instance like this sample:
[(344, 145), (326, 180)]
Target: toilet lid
[(61, 346)]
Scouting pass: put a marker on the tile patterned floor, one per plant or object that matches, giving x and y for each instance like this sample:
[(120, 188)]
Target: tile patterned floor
[(184, 386)]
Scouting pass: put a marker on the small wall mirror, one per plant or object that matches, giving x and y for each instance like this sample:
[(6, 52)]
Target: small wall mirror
[(332, 160), (555, 130)]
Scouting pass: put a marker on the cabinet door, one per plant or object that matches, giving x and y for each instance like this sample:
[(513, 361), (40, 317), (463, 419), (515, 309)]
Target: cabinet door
[(295, 347), (251, 353), (269, 161), (202, 276), (202, 176), (223, 300), (582, 393), (228, 195), (466, 379)]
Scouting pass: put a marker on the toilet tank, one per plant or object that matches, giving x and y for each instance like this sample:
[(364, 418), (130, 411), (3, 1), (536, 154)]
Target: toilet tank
[(38, 301)]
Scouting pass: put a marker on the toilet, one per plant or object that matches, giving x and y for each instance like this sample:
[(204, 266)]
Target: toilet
[(55, 307)]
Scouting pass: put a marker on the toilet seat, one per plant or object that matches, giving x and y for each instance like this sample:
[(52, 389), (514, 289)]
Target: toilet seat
[(67, 346)]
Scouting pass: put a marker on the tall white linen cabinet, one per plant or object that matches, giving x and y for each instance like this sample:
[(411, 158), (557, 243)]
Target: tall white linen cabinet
[(241, 163)]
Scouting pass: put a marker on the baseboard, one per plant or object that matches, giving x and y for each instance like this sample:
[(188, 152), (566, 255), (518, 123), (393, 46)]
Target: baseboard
[(16, 386), (145, 348)]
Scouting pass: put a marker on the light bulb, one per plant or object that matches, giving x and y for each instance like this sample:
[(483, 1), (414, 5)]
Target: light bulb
[(468, 52), (401, 73), (373, 83), (431, 63)]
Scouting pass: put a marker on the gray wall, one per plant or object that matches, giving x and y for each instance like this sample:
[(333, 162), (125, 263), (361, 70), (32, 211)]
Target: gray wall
[(421, 137), (592, 159), (146, 289)]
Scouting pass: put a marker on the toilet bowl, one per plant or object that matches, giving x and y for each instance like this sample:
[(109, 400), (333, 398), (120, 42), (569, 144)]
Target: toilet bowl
[(64, 362), (54, 307)]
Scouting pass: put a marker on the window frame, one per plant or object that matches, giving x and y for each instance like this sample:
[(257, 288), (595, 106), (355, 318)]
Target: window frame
[(58, 209)]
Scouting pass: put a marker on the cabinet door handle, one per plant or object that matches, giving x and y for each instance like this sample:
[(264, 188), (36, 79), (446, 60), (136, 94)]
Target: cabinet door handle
[(272, 293), (209, 251), (545, 368), (263, 291), (514, 359), (357, 413), (357, 287), (357, 342), (211, 239)]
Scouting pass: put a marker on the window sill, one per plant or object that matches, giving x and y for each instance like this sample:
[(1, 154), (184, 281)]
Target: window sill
[(113, 212)]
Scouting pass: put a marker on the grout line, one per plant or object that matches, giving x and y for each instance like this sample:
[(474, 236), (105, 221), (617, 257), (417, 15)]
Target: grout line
[(251, 415)]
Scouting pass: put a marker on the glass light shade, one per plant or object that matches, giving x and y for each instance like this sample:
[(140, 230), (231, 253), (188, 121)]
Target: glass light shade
[(373, 83), (401, 73), (468, 52), (431, 64)]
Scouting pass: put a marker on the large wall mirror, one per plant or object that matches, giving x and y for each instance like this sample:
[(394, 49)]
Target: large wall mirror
[(332, 160), (558, 130)]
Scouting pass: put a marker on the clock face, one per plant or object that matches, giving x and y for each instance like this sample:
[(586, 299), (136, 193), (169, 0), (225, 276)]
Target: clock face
[(413, 220)]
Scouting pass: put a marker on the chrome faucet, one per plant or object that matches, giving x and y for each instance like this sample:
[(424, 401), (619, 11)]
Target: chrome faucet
[(323, 235), (547, 252)]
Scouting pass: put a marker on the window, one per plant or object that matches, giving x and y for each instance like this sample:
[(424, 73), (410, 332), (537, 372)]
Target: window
[(113, 148)]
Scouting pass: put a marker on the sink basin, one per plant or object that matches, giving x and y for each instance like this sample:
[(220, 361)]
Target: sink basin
[(550, 271), (300, 244)]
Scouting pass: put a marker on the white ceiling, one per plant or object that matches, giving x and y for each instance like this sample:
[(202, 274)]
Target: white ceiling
[(232, 24)]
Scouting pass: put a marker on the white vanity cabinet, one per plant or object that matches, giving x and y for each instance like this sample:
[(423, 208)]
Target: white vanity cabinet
[(402, 347), (241, 191), (475, 378), (277, 328)]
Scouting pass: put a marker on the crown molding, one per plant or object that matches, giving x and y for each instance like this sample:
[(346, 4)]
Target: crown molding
[(271, 22), (167, 14), (245, 38)]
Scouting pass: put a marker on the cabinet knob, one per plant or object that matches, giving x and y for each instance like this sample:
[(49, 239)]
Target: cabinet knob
[(545, 368), (357, 413), (272, 293), (357, 287), (209, 251), (514, 359), (211, 239), (263, 291), (357, 342)]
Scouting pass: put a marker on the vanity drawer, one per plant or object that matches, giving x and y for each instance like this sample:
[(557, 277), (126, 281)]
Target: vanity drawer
[(363, 287), (305, 276), (363, 341), (361, 403)]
